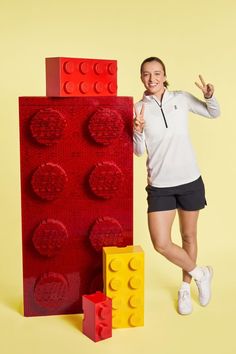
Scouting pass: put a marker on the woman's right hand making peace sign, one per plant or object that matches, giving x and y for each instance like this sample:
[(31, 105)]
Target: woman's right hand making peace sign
[(139, 120)]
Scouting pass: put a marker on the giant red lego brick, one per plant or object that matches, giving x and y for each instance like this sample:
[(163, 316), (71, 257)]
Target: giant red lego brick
[(81, 77), (97, 322), (76, 191)]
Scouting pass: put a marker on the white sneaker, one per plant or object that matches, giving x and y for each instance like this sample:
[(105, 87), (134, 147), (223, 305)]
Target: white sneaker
[(184, 302), (204, 285)]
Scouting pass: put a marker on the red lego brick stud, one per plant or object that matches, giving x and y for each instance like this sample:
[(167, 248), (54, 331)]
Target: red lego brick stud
[(105, 126), (81, 77), (49, 237), (106, 231), (51, 290), (97, 322)]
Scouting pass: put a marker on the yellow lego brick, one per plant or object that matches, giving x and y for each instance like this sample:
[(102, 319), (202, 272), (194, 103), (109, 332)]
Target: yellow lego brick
[(123, 275)]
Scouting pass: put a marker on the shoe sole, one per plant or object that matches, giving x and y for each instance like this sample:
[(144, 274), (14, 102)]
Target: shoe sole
[(211, 276), (185, 314)]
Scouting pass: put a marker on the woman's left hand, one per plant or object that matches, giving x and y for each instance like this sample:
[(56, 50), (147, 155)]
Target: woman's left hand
[(207, 89)]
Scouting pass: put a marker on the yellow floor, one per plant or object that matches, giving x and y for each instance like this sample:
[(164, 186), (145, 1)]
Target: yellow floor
[(206, 330)]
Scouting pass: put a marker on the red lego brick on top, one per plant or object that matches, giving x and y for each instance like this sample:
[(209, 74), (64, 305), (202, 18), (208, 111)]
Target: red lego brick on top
[(80, 77)]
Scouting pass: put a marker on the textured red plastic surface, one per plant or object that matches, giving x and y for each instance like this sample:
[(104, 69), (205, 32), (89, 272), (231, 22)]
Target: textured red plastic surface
[(76, 185), (106, 231), (81, 77), (97, 322)]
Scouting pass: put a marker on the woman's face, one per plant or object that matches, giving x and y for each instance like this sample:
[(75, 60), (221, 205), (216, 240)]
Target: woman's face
[(153, 78)]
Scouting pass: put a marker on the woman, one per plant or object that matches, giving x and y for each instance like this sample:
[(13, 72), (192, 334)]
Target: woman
[(174, 180)]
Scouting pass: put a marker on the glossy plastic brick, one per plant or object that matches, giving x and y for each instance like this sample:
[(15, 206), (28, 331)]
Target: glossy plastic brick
[(97, 322), (123, 274), (76, 190), (80, 77)]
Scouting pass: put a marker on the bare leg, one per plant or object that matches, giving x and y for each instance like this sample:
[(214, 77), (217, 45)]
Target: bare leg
[(188, 230), (160, 224)]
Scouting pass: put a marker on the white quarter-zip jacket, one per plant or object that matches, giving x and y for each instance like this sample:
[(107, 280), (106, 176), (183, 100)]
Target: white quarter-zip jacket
[(171, 159)]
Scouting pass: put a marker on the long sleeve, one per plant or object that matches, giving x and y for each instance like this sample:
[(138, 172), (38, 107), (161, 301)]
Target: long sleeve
[(139, 143), (210, 108)]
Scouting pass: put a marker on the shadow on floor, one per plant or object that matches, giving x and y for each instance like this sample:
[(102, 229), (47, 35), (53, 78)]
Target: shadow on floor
[(74, 320), (14, 303)]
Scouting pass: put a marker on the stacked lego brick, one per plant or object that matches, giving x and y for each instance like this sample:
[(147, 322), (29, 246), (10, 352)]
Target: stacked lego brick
[(76, 183), (81, 77)]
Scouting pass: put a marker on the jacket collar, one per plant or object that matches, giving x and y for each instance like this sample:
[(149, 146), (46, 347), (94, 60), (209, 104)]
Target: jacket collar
[(149, 98)]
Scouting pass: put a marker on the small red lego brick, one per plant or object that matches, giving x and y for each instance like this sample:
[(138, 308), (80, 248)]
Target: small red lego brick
[(97, 322), (80, 77)]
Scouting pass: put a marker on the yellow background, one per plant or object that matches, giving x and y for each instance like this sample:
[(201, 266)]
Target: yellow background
[(191, 37)]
